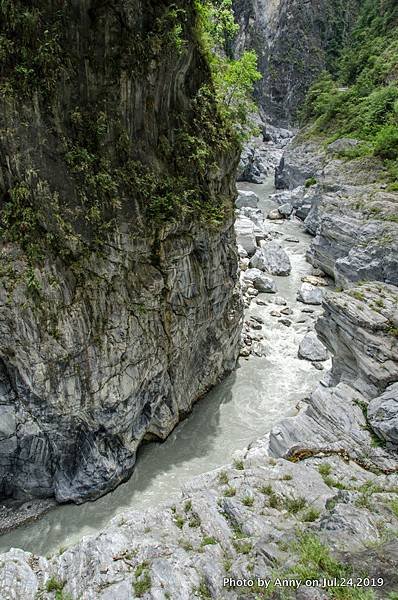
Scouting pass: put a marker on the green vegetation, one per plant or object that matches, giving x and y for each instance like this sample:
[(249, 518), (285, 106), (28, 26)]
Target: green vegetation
[(310, 515), (203, 591), (54, 585), (209, 541), (233, 79), (294, 505), (394, 506), (310, 182), (361, 101), (143, 582), (248, 500), (325, 469), (239, 465), (179, 521), (223, 477), (106, 181), (315, 561), (230, 491)]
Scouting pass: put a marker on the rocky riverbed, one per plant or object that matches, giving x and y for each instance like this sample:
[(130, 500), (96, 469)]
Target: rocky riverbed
[(244, 407)]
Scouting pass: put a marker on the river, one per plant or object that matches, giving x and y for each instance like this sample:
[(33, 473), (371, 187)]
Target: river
[(242, 408)]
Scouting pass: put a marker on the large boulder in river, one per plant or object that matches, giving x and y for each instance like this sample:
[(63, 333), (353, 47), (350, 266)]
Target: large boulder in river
[(257, 261), (286, 209), (276, 260), (309, 294), (245, 237), (249, 199), (311, 348), (259, 281), (383, 414)]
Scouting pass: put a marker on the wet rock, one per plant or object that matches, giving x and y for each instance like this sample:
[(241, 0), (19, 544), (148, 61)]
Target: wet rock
[(312, 349), (383, 414), (276, 259), (261, 282), (246, 199), (310, 294)]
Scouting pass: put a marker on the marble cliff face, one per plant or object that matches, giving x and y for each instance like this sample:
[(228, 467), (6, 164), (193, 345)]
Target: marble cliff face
[(113, 319), (294, 41)]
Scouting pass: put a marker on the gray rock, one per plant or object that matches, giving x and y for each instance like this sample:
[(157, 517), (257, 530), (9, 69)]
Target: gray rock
[(310, 294), (246, 199), (258, 261), (286, 209), (276, 260), (245, 237), (312, 349), (274, 215), (383, 414), (355, 329), (261, 282), (342, 145)]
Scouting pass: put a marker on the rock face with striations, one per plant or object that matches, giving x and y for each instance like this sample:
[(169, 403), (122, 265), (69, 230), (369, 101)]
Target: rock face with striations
[(294, 41), (118, 299), (345, 205)]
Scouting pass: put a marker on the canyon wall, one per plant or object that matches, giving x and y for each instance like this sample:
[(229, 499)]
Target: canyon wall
[(118, 298), (294, 41)]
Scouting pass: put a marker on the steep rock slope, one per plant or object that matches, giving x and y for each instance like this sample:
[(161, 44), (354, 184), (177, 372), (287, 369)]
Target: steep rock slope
[(294, 41), (118, 299)]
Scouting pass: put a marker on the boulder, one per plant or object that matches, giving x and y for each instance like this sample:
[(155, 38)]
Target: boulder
[(311, 348), (245, 237), (257, 261), (246, 198), (286, 209), (383, 414), (261, 282), (274, 215), (276, 260), (342, 145), (310, 294), (303, 211)]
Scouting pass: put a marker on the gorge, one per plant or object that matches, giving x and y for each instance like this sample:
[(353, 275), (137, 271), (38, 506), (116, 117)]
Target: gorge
[(133, 278)]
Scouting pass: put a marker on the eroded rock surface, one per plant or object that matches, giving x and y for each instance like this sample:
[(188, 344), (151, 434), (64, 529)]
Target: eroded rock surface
[(346, 206)]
